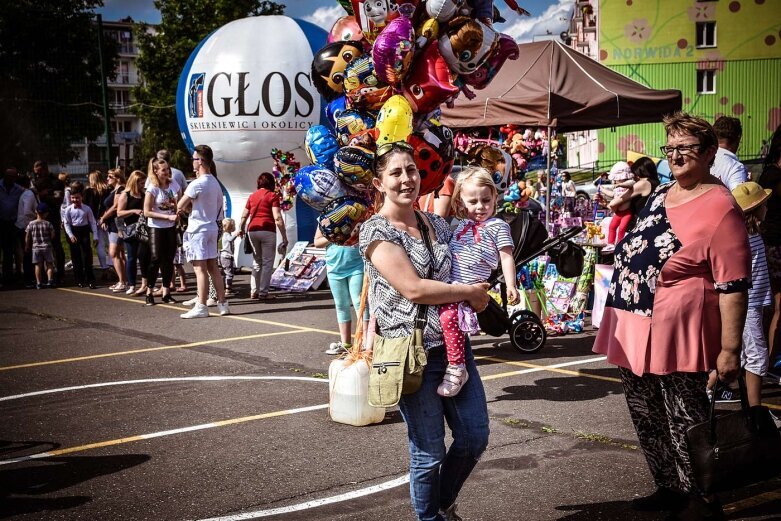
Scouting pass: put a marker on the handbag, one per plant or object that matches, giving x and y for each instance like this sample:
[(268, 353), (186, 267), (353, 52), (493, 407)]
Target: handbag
[(142, 230), (138, 230), (734, 449), (398, 363)]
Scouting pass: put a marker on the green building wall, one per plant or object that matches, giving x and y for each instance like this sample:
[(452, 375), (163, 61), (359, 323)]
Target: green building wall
[(652, 42)]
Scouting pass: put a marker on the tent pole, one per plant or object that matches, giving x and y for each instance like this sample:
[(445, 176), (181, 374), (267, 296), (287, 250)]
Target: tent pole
[(548, 181)]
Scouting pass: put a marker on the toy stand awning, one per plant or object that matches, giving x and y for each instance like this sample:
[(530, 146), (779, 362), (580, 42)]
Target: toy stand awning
[(552, 85)]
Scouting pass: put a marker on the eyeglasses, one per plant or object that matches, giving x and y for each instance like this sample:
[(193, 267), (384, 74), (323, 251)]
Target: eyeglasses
[(681, 149)]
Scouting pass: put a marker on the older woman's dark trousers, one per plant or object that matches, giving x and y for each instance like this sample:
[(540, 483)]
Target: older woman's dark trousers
[(162, 249), (662, 408)]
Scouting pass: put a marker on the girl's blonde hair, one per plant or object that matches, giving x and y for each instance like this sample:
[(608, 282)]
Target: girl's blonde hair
[(154, 168), (119, 174), (132, 182), (479, 177), (228, 225), (64, 177)]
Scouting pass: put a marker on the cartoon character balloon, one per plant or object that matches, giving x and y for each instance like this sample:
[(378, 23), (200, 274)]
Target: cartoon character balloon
[(334, 109), (394, 121), (329, 64), (506, 49), (372, 16), (351, 122), (393, 50), (444, 10), (317, 186), (363, 88), (354, 165), (339, 221), (321, 145), (345, 29), (428, 83), (466, 44)]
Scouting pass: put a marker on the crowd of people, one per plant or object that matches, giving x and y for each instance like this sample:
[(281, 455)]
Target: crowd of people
[(693, 304)]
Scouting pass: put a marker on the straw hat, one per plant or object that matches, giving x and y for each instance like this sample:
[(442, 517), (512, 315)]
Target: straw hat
[(750, 195)]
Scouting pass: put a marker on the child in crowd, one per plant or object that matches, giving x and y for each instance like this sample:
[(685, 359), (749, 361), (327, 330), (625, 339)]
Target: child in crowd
[(754, 357), (478, 245), (229, 236), (38, 239), (66, 200), (79, 222), (622, 178)]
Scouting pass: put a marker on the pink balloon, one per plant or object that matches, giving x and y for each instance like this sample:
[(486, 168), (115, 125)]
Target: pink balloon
[(345, 29), (393, 50)]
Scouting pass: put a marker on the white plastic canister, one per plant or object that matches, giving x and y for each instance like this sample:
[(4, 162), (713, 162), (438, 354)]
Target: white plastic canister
[(348, 385)]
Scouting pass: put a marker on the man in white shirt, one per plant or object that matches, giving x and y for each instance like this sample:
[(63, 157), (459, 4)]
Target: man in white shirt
[(726, 166)]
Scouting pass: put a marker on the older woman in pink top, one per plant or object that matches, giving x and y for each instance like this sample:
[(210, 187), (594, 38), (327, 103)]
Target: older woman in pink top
[(675, 311)]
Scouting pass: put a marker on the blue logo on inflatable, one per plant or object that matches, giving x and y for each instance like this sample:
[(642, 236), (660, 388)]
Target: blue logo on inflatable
[(195, 95)]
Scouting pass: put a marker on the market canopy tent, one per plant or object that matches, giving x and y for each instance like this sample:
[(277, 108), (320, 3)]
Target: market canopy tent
[(552, 85)]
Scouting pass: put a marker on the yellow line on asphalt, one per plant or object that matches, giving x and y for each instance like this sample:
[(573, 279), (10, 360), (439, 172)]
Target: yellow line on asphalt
[(180, 309), (149, 349), (753, 501)]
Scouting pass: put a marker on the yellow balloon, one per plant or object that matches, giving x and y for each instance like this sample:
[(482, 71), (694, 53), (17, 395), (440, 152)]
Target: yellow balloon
[(394, 121)]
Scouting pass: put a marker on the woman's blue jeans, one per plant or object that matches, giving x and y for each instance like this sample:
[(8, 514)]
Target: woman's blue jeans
[(437, 473)]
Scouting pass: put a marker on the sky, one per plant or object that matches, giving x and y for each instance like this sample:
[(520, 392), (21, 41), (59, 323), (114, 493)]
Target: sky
[(548, 17)]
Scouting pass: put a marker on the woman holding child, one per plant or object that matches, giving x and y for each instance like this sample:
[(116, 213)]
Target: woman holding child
[(403, 275)]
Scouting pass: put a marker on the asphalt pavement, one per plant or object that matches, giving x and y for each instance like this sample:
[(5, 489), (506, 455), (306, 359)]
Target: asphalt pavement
[(117, 411)]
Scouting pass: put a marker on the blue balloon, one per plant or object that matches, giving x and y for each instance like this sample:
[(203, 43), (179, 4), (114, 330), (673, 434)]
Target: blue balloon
[(321, 145), (339, 221), (318, 186), (335, 108)]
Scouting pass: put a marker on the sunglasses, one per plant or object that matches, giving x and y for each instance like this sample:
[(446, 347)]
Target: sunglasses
[(387, 148)]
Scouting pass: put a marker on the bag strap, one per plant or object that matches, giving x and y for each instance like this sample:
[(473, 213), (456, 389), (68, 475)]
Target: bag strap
[(420, 317), (743, 405)]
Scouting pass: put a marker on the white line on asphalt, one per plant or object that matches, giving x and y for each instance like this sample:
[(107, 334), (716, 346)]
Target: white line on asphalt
[(152, 380), (315, 503)]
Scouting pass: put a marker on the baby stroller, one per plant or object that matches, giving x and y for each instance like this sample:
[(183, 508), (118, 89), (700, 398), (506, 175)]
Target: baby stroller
[(527, 333)]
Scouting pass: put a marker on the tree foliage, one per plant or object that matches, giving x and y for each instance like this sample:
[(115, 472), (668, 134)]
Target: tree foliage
[(164, 51), (50, 88)]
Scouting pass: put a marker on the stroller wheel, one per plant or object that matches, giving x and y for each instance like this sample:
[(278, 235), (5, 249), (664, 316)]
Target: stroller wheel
[(527, 333)]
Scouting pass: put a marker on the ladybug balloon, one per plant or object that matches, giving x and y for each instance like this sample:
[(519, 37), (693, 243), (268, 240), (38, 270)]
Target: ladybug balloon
[(434, 152)]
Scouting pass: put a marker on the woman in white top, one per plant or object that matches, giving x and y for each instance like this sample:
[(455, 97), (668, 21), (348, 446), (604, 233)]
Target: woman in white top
[(161, 214)]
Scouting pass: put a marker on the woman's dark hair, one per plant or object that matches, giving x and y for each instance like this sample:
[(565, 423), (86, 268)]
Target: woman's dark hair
[(645, 168), (76, 188), (774, 150), (205, 151), (266, 180), (566, 176)]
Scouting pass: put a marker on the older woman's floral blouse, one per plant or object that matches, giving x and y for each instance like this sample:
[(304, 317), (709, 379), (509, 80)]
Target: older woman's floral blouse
[(662, 310)]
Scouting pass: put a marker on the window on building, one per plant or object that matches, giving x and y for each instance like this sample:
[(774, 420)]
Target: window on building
[(706, 34), (706, 82)]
